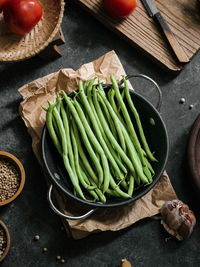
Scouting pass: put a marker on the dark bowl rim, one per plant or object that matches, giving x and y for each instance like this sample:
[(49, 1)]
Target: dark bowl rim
[(126, 201)]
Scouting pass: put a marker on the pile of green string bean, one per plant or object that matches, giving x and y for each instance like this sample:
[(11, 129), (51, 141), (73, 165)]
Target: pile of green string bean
[(95, 136)]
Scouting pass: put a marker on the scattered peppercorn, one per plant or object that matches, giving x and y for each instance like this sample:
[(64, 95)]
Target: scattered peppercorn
[(45, 249), (36, 237), (58, 258), (3, 241), (191, 106), (9, 180), (63, 261), (125, 263), (182, 100)]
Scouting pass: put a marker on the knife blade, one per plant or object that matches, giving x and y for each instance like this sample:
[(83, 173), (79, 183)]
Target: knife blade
[(175, 45)]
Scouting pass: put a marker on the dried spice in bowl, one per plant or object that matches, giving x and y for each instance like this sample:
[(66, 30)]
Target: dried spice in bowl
[(4, 241), (9, 180), (12, 177)]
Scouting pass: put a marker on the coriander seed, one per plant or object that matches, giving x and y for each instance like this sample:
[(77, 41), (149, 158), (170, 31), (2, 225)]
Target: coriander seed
[(36, 237), (3, 241), (191, 106), (9, 180), (182, 100), (58, 258), (45, 249)]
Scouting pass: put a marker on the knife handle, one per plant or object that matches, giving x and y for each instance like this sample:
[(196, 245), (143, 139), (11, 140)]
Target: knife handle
[(178, 50)]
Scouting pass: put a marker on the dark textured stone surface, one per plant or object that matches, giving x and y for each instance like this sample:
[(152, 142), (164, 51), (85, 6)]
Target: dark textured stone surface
[(143, 243)]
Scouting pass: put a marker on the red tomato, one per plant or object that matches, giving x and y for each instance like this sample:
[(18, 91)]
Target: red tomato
[(2, 3), (120, 8), (21, 16)]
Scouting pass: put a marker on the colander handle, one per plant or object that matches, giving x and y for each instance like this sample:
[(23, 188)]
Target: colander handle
[(159, 103), (81, 217)]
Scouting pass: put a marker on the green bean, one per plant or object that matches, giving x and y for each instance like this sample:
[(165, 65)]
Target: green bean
[(149, 165), (115, 126), (49, 124), (89, 97), (97, 129), (111, 94), (69, 144), (54, 122), (127, 118), (133, 155), (83, 156), (132, 152), (97, 190), (147, 173), (84, 136), (112, 193), (96, 144), (91, 192), (76, 159), (58, 102), (110, 148), (122, 94), (65, 153), (131, 185), (137, 118), (111, 137), (45, 108), (119, 181), (117, 189), (110, 121)]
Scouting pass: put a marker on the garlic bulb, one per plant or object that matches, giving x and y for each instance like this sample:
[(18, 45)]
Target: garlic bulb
[(178, 219)]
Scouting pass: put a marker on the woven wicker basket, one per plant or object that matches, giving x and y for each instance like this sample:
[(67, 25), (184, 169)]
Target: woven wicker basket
[(16, 48)]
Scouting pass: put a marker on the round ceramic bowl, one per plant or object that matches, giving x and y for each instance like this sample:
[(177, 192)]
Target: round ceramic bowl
[(13, 160), (5, 229), (15, 48)]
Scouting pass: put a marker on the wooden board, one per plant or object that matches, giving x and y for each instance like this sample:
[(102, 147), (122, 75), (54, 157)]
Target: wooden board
[(183, 17)]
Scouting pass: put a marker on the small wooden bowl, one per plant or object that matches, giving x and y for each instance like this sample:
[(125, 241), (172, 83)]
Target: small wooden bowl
[(193, 154), (7, 240), (13, 160), (16, 48)]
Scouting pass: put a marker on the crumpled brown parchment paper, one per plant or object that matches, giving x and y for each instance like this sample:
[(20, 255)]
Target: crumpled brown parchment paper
[(36, 94)]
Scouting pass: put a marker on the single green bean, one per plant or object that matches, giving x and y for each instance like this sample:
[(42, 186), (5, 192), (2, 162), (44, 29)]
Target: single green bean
[(58, 102), (49, 124), (137, 118), (127, 118), (69, 144), (131, 185)]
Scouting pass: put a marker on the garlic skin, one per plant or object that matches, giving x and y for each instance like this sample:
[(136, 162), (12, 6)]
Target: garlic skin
[(178, 219)]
